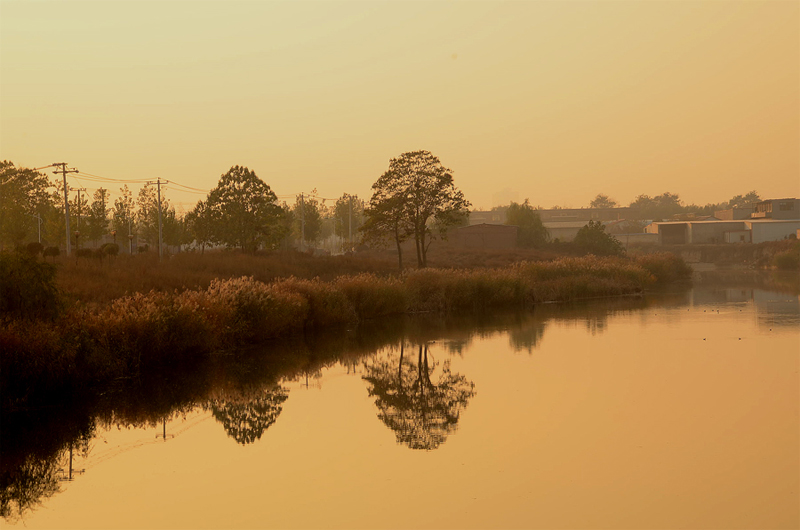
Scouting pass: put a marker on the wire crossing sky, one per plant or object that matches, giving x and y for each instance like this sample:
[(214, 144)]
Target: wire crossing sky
[(553, 101)]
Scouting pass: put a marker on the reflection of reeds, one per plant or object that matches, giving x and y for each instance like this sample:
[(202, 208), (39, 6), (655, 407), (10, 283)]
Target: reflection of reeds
[(171, 329)]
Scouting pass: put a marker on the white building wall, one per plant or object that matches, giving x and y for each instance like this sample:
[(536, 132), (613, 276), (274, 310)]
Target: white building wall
[(772, 230)]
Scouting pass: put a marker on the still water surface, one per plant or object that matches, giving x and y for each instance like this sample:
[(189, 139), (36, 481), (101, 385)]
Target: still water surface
[(675, 411)]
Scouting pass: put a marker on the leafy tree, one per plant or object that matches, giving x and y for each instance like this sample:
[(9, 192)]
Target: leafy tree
[(659, 207), (593, 239), (147, 218), (246, 421), (421, 191), (421, 412), (744, 201), (307, 219), (244, 211), (147, 214), (385, 218), (532, 232), (27, 287), (79, 211), (343, 217), (199, 225), (123, 218), (97, 220), (23, 195), (602, 201)]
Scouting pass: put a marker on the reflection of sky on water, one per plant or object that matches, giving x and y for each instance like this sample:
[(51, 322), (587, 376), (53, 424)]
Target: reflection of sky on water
[(771, 309), (617, 395)]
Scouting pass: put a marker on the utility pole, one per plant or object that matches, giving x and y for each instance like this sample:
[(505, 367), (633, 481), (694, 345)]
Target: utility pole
[(39, 217), (64, 172), (350, 224), (130, 238), (160, 237), (78, 230), (302, 223), (79, 190)]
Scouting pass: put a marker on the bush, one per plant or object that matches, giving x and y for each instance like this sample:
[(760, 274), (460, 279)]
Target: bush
[(110, 249), (34, 249), (788, 260), (593, 239), (27, 287), (665, 266), (51, 251)]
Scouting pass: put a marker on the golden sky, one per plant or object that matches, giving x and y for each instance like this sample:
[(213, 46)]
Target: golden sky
[(552, 100)]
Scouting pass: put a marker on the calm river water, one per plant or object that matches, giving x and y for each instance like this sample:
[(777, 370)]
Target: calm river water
[(673, 411)]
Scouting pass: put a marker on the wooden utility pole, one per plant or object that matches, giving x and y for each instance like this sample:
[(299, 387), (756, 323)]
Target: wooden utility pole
[(160, 233), (64, 172)]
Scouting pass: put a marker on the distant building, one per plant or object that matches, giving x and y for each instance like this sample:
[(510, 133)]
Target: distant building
[(587, 214), (777, 209), (711, 232), (563, 230), (734, 214), (484, 236), (491, 217)]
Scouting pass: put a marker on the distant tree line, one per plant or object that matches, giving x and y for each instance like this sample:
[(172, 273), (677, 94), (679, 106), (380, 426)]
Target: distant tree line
[(240, 212), (414, 200), (668, 205)]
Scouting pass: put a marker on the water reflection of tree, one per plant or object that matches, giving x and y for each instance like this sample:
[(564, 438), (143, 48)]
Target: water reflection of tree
[(421, 412), (246, 420), (527, 336), (38, 477)]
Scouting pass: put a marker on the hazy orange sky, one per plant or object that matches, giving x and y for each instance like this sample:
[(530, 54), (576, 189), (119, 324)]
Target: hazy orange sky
[(555, 101)]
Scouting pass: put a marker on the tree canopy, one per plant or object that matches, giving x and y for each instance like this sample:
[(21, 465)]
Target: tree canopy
[(602, 201), (532, 232), (415, 197), (246, 420), (593, 239), (243, 212), (23, 195)]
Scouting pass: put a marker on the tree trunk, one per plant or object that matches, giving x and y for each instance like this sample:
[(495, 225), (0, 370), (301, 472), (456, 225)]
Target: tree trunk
[(420, 262), (424, 251), (399, 250)]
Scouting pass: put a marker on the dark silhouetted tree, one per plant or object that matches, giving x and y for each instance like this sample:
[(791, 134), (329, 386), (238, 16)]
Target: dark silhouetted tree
[(419, 188), (385, 219), (244, 212)]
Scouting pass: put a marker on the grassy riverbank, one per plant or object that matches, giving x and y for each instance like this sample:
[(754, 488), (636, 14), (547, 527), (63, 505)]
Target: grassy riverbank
[(145, 331)]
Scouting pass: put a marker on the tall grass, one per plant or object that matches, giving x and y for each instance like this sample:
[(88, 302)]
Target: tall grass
[(136, 333)]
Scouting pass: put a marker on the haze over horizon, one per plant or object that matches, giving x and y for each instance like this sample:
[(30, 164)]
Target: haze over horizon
[(553, 101)]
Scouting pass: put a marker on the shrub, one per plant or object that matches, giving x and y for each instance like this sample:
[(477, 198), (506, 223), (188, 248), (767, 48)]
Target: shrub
[(27, 287), (110, 249), (664, 266), (84, 253), (788, 260), (34, 249), (51, 251), (593, 239)]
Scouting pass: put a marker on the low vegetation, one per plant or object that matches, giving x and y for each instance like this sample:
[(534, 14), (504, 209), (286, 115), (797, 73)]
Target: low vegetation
[(136, 333)]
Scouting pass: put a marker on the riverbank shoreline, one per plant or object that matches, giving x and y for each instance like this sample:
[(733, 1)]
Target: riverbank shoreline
[(88, 346)]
